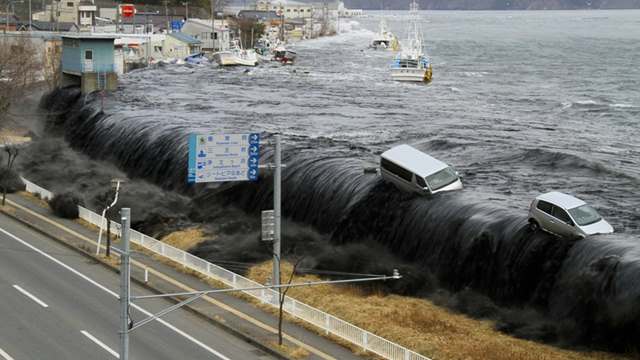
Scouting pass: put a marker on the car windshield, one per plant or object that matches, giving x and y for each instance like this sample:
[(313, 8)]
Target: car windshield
[(585, 215), (442, 178)]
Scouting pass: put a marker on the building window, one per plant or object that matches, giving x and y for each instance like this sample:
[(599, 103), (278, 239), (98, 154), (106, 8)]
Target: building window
[(69, 4), (88, 54)]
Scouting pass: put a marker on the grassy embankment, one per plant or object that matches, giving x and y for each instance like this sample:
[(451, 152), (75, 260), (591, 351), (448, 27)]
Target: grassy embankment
[(418, 324)]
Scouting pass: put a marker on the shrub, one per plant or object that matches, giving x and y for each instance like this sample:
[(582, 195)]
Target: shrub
[(65, 205), (11, 180)]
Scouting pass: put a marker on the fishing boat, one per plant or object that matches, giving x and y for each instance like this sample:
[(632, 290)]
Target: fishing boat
[(264, 49), (412, 64), (286, 57), (236, 56), (385, 39)]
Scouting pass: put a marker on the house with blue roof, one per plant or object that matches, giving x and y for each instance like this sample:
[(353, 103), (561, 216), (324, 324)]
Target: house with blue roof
[(180, 45)]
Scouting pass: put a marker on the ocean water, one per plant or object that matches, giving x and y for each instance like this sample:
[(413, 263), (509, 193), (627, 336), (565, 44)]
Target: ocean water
[(521, 102)]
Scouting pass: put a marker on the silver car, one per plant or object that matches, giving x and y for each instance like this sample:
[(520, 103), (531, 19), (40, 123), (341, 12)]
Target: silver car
[(565, 215)]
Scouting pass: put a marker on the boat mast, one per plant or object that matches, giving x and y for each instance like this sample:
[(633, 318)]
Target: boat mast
[(415, 39)]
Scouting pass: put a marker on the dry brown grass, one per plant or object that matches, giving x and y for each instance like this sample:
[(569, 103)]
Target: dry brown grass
[(35, 199), (420, 325), (185, 239), (291, 351)]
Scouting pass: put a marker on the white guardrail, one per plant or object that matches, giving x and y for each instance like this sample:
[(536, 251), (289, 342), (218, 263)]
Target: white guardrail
[(327, 322)]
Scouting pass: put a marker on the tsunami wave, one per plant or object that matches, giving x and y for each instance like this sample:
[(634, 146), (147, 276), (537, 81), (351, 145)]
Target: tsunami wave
[(590, 288)]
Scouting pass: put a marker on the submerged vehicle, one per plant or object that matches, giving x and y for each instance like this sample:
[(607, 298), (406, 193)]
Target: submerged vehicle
[(412, 64), (197, 58), (565, 215), (236, 56), (412, 170)]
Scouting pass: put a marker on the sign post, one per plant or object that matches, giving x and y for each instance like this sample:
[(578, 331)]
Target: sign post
[(268, 225), (127, 10), (223, 157)]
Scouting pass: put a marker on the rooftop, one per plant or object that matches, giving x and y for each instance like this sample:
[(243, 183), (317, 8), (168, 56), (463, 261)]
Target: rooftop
[(185, 38), (414, 160), (561, 199), (90, 36)]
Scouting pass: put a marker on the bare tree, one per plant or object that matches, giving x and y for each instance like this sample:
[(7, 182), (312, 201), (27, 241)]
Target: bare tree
[(6, 175), (19, 67), (51, 64), (282, 293)]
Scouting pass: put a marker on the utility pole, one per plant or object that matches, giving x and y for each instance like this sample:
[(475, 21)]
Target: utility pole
[(213, 26), (125, 214), (166, 14), (6, 18), (30, 15), (117, 18), (186, 9), (277, 211)]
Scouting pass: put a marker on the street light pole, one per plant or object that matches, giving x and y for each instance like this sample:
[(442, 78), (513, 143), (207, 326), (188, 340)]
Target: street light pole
[(125, 214), (277, 211), (115, 200)]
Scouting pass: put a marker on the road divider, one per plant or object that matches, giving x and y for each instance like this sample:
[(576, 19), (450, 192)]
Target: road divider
[(100, 343), (112, 293), (31, 296), (5, 356)]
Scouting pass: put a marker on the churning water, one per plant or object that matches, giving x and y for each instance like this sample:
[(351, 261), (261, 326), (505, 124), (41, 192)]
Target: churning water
[(521, 103)]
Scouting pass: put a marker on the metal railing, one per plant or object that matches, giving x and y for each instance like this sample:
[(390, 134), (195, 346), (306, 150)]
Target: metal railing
[(328, 323), (35, 189)]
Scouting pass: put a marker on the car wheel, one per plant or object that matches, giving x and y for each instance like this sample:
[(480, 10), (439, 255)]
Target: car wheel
[(533, 225)]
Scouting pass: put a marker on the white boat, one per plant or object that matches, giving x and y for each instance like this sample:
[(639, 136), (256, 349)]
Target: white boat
[(236, 56), (385, 39), (412, 64)]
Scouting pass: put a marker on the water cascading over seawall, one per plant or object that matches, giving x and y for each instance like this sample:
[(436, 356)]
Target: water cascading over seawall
[(591, 287)]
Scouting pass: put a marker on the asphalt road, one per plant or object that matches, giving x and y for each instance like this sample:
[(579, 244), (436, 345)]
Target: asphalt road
[(57, 304)]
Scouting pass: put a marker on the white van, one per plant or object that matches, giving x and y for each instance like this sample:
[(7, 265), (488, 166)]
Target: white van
[(412, 170)]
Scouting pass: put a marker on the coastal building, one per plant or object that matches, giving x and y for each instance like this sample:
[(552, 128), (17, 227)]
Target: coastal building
[(263, 16), (49, 26), (88, 61), (180, 45), (8, 22), (288, 8), (80, 12), (212, 39)]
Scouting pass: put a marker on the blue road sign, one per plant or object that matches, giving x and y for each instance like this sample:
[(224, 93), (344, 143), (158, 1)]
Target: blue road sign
[(223, 157)]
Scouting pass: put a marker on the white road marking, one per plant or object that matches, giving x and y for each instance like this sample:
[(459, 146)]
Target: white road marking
[(100, 343), (31, 296), (103, 288), (5, 356)]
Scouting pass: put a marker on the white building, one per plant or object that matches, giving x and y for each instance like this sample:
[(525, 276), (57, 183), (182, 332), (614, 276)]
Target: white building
[(291, 9), (79, 12), (202, 30)]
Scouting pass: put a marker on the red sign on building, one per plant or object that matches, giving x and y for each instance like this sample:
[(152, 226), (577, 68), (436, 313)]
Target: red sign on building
[(127, 10)]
